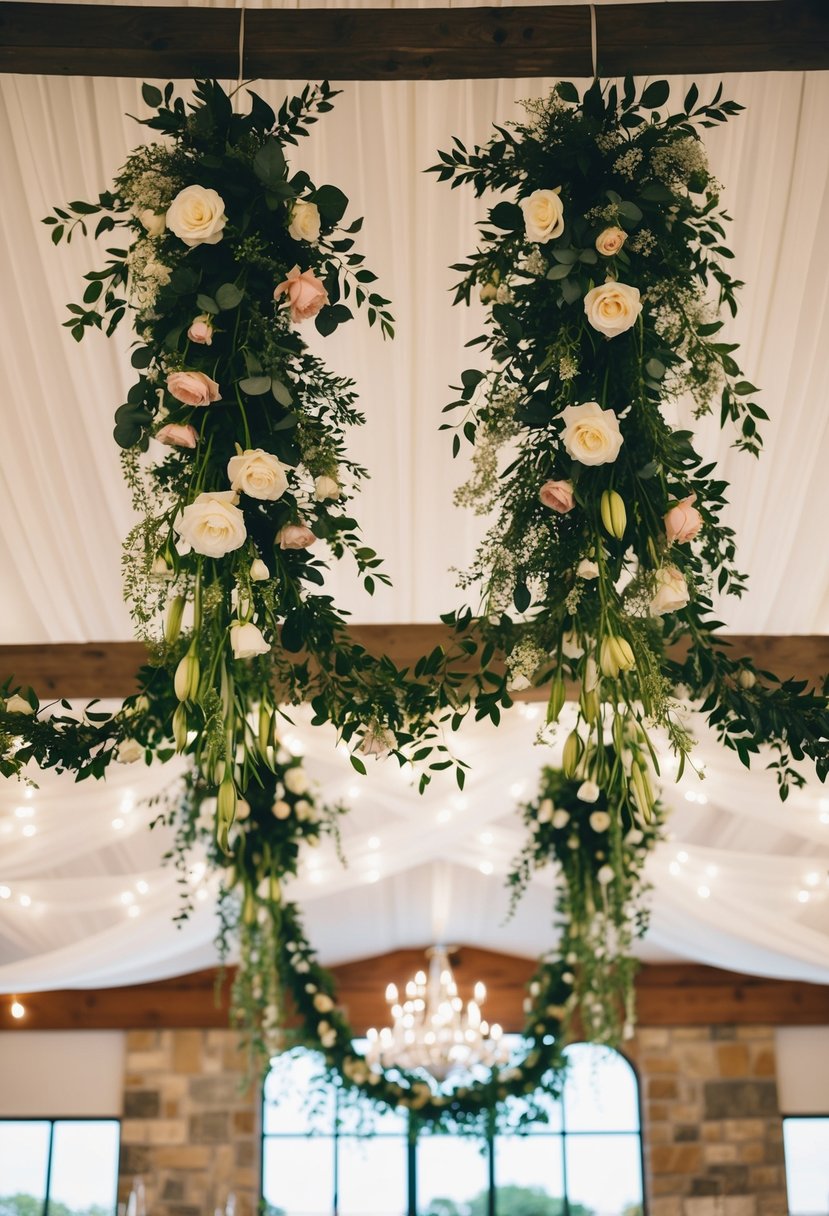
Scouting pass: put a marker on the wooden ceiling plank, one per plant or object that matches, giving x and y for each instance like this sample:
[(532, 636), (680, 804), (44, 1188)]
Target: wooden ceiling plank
[(691, 36)]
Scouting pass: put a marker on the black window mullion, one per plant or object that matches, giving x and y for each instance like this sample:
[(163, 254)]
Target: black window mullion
[(47, 1191), (411, 1165), (491, 1206)]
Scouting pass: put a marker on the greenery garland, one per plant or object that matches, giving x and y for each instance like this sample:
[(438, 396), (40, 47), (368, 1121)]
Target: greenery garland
[(599, 856), (605, 273)]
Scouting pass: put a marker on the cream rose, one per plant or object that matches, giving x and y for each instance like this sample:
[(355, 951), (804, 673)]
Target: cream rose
[(153, 222), (560, 819), (296, 780), (587, 568), (588, 791), (197, 216), (177, 436), (327, 489), (128, 751), (246, 640), (306, 294), (591, 435), (258, 474), (600, 821), (295, 536), (612, 308), (671, 591), (193, 388), (610, 241), (683, 521), (558, 496), (281, 809), (543, 215), (18, 705), (305, 221), (213, 525)]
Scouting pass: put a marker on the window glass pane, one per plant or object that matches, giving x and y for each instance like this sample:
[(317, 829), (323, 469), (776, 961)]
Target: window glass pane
[(604, 1174), (84, 1167), (529, 1176), (600, 1091), (372, 1176), (452, 1173), (807, 1165), (363, 1118), (294, 1101), (24, 1153), (298, 1175)]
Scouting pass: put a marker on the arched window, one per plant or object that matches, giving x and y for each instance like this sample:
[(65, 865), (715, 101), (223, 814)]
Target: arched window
[(586, 1161)]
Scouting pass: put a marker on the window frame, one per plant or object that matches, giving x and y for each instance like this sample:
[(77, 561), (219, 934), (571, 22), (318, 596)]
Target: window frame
[(52, 1120), (489, 1140)]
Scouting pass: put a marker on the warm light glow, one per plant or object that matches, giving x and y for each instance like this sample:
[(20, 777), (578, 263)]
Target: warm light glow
[(486, 867), (24, 812), (675, 868), (134, 911), (480, 992), (373, 842), (703, 892), (373, 876), (391, 994), (127, 897), (25, 901), (803, 897), (30, 830), (517, 788), (443, 816), (17, 1010), (142, 887), (117, 824), (682, 856), (711, 871), (5, 892), (486, 838), (812, 880)]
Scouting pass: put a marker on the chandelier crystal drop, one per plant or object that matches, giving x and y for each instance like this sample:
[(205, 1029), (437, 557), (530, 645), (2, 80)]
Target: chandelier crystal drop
[(432, 1030)]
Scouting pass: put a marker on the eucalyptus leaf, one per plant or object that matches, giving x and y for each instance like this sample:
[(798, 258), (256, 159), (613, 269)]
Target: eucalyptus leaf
[(255, 386)]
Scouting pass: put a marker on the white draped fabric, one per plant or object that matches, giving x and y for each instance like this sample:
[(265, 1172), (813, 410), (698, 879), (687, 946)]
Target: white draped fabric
[(419, 868)]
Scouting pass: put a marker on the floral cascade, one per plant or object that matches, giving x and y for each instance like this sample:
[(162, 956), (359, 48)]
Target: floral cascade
[(233, 439), (600, 896), (604, 279)]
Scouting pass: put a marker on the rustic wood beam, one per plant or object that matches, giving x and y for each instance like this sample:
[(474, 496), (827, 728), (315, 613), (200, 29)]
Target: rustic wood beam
[(415, 44), (107, 669), (667, 995)]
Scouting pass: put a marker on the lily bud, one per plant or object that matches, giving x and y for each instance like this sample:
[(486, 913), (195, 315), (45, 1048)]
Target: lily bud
[(572, 754), (615, 655), (225, 810), (172, 626), (259, 572), (186, 679), (265, 733), (591, 706), (642, 790), (557, 698), (161, 568), (746, 678), (614, 515), (249, 909), (180, 727)]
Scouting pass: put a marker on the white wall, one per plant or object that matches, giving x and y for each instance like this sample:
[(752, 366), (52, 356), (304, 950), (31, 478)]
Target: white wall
[(61, 1073), (803, 1070)]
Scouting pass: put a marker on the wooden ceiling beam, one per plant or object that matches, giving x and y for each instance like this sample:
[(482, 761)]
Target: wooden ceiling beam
[(666, 995), (107, 669), (693, 36)]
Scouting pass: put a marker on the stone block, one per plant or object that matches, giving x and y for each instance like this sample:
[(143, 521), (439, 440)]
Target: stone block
[(167, 1131), (142, 1104), (763, 1063), (670, 1205), (740, 1099), (652, 1038), (699, 1206), (686, 1132), (743, 1129), (141, 1040), (766, 1177), (135, 1159), (752, 1153), (651, 1065), (712, 1131), (659, 1133), (739, 1205), (718, 1154), (772, 1205), (733, 1179), (244, 1123), (773, 1151), (134, 1131), (722, 1033), (211, 1127), (697, 1061), (691, 1034), (173, 1190), (656, 1112), (675, 1158), (756, 1033), (184, 1209), (704, 1186), (149, 1061), (221, 1091), (686, 1112), (663, 1088), (733, 1060), (187, 1051), (182, 1157), (246, 1152)]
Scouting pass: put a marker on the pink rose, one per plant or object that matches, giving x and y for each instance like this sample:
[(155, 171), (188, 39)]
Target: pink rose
[(558, 496), (176, 436), (306, 294), (201, 330), (683, 521), (193, 388), (295, 536)]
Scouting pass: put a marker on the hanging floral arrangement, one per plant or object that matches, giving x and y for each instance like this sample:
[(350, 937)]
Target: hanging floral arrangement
[(605, 273)]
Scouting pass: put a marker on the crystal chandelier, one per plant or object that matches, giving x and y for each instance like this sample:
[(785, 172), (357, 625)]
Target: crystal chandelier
[(432, 1030)]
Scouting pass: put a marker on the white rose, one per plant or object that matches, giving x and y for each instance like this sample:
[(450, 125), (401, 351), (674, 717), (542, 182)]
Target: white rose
[(591, 435), (243, 812), (561, 819), (246, 640), (610, 241), (600, 821), (18, 705), (612, 308), (258, 474), (671, 591), (588, 791), (303, 809), (543, 215), (281, 809), (128, 751), (296, 780), (305, 221), (518, 682), (326, 488), (323, 1003), (587, 569), (197, 216), (213, 525), (606, 874), (154, 223), (545, 810)]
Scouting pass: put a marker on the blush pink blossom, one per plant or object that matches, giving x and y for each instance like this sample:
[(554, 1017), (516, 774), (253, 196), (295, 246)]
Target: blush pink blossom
[(178, 436), (683, 521), (558, 496), (306, 294), (201, 331), (295, 536), (193, 388)]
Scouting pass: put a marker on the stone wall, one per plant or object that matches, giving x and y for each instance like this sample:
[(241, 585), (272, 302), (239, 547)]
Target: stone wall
[(191, 1123), (712, 1130)]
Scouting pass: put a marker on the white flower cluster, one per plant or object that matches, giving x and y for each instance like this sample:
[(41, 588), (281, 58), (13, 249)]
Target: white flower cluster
[(146, 275), (567, 367), (534, 263), (606, 141), (677, 162), (503, 295), (643, 242), (524, 662), (627, 164)]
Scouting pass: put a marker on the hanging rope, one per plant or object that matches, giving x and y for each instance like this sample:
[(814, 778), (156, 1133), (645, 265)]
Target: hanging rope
[(242, 48), (593, 41)]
